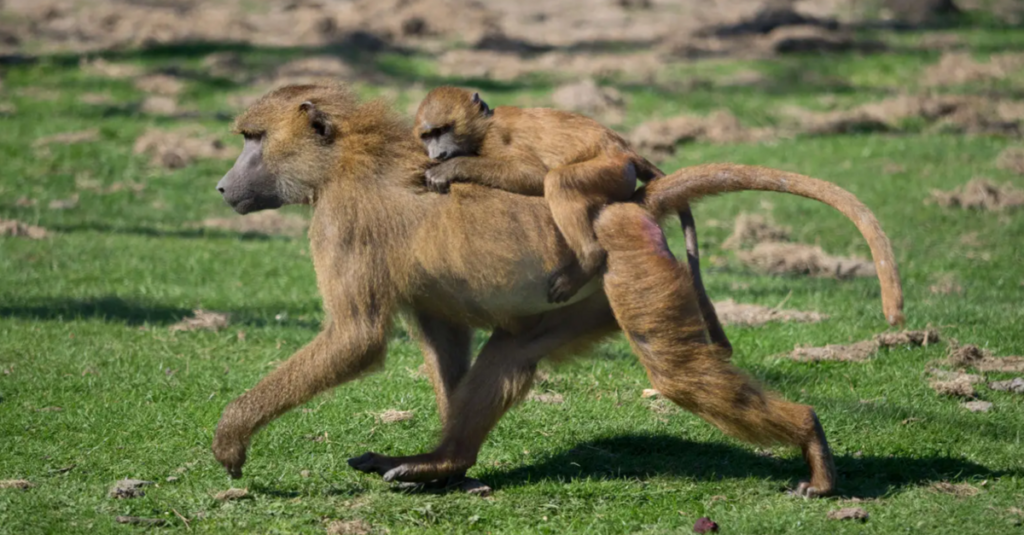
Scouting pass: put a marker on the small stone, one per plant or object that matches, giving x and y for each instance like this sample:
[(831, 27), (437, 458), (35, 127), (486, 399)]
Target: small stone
[(705, 525), (978, 406), (129, 488), (849, 513)]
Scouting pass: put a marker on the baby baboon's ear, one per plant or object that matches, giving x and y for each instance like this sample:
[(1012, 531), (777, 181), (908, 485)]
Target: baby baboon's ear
[(318, 121), (484, 108)]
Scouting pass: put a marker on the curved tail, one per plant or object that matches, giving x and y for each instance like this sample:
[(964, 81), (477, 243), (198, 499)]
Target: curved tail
[(672, 192)]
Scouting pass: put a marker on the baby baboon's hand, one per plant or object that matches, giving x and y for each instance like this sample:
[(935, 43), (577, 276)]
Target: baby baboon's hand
[(440, 177)]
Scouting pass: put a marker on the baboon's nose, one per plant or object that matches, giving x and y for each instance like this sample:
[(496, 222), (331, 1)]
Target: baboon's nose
[(220, 189), (443, 155)]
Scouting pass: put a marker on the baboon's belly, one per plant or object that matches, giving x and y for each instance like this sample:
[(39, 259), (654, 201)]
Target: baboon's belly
[(487, 256)]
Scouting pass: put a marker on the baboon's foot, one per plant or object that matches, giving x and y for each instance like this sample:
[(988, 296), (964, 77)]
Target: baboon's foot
[(807, 489), (565, 282), (416, 468), (819, 459)]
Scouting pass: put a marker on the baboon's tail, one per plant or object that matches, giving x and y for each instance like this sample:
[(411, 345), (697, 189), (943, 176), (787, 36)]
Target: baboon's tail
[(672, 192)]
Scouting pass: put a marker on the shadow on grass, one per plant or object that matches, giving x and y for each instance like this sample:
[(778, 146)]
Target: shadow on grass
[(643, 456), (133, 313), (194, 233)]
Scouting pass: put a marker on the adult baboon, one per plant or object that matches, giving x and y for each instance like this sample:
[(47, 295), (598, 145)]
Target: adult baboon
[(480, 257)]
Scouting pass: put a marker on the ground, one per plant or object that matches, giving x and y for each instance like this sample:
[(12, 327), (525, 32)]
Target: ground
[(114, 131)]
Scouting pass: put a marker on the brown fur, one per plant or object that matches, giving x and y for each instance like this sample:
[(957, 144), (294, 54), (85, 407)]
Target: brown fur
[(382, 244), (578, 165)]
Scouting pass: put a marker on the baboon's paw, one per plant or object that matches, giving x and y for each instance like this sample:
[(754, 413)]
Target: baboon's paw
[(230, 455), (806, 490), (373, 463)]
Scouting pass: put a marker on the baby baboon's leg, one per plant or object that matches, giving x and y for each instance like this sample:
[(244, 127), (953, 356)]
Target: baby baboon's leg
[(446, 356), (715, 331), (335, 356), (574, 194), (500, 377), (653, 300)]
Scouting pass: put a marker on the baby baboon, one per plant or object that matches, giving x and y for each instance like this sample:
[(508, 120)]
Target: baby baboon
[(574, 162), (478, 258)]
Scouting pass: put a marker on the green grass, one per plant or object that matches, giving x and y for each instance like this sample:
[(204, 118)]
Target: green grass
[(84, 316)]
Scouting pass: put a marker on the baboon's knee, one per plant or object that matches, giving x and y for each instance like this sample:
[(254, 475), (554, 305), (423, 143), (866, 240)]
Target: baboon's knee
[(628, 228)]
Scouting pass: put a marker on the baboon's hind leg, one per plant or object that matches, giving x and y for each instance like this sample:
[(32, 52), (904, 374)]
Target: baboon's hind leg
[(653, 299)]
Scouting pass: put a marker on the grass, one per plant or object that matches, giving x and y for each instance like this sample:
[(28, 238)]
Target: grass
[(84, 316)]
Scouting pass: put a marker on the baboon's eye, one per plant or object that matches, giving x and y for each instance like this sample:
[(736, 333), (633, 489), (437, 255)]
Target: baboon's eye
[(250, 135)]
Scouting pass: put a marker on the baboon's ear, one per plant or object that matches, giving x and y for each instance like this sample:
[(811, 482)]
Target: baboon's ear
[(484, 108), (318, 121)]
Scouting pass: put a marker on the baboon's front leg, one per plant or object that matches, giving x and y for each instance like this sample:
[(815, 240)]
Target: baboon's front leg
[(446, 356), (500, 377), (333, 357)]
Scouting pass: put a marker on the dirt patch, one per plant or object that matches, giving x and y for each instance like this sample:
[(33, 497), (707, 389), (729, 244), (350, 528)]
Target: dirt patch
[(391, 416), (815, 39), (128, 488), (348, 527), (174, 149), (64, 204), (503, 66), (412, 20), (233, 494), (903, 338), (12, 228), (946, 284), (202, 320), (95, 99), (21, 484), (659, 139), (960, 386), (732, 313), (546, 397), (586, 97), (106, 69), (750, 229), (960, 490), (161, 105), (980, 194), (268, 222), (160, 84), (863, 350), (972, 356), (1012, 159), (849, 513), (1015, 385), (977, 406), (7, 109), (227, 65), (139, 521), (953, 113), (68, 138), (309, 70), (802, 259), (856, 352), (956, 68), (84, 183)]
